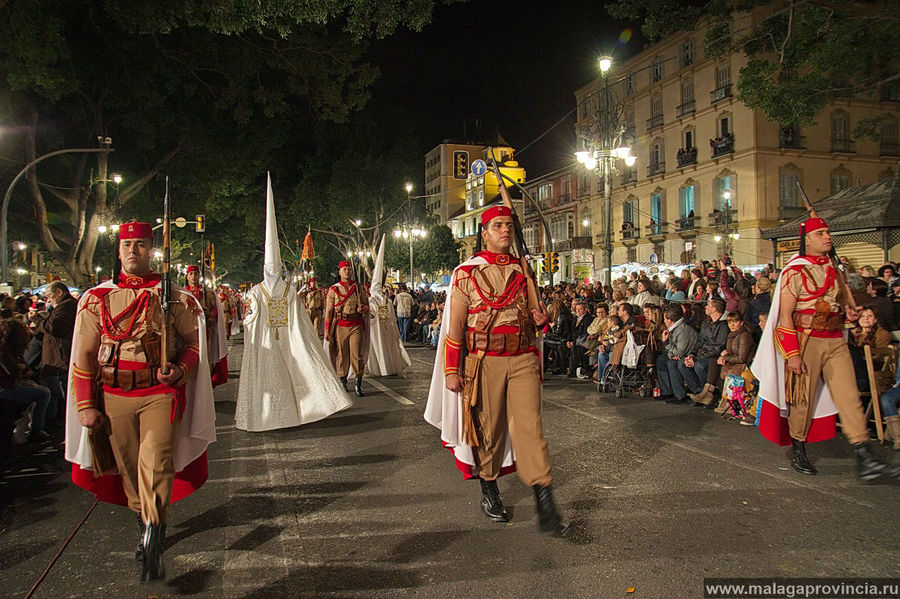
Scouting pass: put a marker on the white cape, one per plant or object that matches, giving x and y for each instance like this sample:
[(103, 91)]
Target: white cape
[(444, 407), (285, 381), (198, 424), (387, 355), (218, 349), (768, 365)]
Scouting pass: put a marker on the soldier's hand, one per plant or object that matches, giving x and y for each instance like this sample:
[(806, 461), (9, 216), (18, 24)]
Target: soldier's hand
[(454, 383), (796, 365), (175, 374), (91, 418), (539, 318), (328, 336)]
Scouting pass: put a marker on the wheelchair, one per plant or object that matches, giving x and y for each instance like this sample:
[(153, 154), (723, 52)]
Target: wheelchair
[(619, 379)]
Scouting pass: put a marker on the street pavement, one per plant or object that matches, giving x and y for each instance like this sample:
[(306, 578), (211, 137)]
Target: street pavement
[(367, 504)]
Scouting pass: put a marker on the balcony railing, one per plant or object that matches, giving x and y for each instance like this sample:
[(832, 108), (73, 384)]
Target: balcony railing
[(788, 139), (688, 107), (721, 217), (654, 229), (720, 93), (630, 176), (842, 146), (654, 122), (686, 223), (686, 157), (564, 198), (722, 145), (889, 149), (630, 233), (656, 168)]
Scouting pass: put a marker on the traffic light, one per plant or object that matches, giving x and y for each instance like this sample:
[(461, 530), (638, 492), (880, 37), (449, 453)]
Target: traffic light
[(545, 262), (201, 223), (554, 262), (460, 165)]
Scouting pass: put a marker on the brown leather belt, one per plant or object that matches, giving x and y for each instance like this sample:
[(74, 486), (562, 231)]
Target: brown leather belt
[(499, 343), (126, 380), (831, 322)]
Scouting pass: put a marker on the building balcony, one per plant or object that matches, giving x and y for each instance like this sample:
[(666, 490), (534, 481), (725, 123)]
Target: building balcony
[(630, 235), (720, 93), (685, 109), (889, 149), (687, 226), (629, 176), (656, 168), (686, 157), (654, 230), (563, 198), (718, 218), (654, 122), (582, 243), (722, 145), (842, 146)]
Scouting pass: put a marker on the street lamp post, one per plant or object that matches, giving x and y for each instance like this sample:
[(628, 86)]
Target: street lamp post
[(604, 147), (412, 278)]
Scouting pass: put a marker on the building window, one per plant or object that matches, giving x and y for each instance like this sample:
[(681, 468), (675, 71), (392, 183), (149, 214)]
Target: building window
[(631, 254), (687, 105), (656, 70), (724, 126), (689, 141), (686, 204), (788, 196), (889, 137), (723, 75), (840, 179), (629, 84), (656, 106), (656, 212), (564, 190), (687, 54), (570, 226), (660, 250), (629, 213), (840, 132), (585, 222), (481, 197), (545, 191), (469, 202), (530, 234), (720, 184)]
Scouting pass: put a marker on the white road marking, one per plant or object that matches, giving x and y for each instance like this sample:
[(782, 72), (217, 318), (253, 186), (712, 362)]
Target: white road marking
[(391, 393)]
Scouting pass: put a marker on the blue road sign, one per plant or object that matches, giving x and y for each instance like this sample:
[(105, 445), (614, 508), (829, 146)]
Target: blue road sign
[(479, 167)]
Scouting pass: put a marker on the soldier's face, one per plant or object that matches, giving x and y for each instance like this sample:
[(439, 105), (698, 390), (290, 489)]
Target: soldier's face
[(135, 255), (818, 242), (345, 273), (193, 278), (496, 234)]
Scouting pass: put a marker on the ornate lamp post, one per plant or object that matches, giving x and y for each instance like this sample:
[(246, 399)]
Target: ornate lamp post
[(604, 143)]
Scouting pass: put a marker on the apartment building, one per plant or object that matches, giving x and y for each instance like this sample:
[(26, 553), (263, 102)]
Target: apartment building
[(711, 173), (446, 172)]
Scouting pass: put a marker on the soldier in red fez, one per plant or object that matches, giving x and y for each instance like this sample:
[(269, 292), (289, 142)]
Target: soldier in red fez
[(346, 307), (315, 305), (207, 300), (117, 386), (486, 388), (810, 379)]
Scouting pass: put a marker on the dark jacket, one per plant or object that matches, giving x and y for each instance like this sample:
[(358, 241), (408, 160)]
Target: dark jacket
[(579, 327), (760, 304), (884, 310), (711, 340), (57, 330), (561, 328)]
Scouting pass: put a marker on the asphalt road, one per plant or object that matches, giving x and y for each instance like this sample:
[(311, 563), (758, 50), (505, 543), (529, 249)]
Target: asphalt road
[(367, 504)]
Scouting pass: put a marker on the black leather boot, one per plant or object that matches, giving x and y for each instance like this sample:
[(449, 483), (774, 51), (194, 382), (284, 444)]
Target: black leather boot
[(799, 461), (344, 383), (490, 501), (152, 566), (359, 391), (139, 550), (549, 519), (870, 467)]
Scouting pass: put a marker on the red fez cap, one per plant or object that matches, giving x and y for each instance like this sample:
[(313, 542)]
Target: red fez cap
[(344, 263), (494, 212), (135, 230), (814, 223), (192, 268)]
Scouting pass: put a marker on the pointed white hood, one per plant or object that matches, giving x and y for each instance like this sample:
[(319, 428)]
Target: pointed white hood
[(377, 274), (272, 264)]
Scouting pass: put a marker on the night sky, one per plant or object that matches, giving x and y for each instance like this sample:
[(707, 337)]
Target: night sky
[(512, 66)]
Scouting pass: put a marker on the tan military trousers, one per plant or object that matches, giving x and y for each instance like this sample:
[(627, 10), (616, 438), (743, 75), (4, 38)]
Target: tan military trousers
[(349, 350), (510, 401), (829, 359), (316, 318), (143, 441)]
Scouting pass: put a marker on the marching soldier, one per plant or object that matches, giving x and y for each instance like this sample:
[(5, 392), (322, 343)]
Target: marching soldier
[(117, 353), (205, 297), (814, 377), (227, 302), (314, 306), (346, 306), (499, 379)]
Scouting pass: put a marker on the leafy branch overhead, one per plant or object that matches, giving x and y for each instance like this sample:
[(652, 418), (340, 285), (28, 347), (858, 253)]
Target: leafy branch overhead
[(800, 54)]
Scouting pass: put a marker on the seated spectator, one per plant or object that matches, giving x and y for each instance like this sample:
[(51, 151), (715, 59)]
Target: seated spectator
[(857, 286), (653, 317), (670, 370), (882, 306), (596, 330), (555, 348), (626, 314), (645, 294), (890, 401), (737, 353), (867, 332), (607, 342), (673, 290), (577, 338), (15, 384), (699, 291), (56, 331), (702, 359)]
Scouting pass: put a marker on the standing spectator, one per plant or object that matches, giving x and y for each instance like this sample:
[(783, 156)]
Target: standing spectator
[(579, 335), (760, 304), (57, 330), (403, 304)]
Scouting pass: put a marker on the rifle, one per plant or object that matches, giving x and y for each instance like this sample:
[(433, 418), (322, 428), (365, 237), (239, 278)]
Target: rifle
[(534, 301), (832, 254), (166, 284)]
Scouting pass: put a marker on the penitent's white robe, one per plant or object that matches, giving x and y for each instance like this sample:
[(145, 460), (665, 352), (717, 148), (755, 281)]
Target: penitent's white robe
[(286, 378), (387, 355)]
